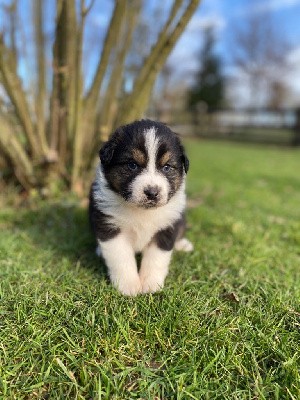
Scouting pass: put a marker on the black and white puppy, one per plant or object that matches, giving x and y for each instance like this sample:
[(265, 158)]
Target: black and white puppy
[(137, 204)]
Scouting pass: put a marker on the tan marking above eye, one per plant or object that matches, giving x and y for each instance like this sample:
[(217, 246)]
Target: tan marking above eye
[(139, 157), (165, 158)]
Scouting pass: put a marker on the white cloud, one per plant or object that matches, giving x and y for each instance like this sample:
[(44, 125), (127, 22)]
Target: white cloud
[(185, 56), (294, 56), (199, 23)]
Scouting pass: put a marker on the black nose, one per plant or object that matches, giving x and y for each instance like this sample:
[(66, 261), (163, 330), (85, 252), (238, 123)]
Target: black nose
[(152, 192)]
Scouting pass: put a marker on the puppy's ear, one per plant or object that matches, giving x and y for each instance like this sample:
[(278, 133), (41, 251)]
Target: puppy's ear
[(185, 161), (106, 152)]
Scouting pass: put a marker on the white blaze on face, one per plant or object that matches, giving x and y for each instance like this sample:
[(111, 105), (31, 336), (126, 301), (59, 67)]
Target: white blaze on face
[(151, 144), (150, 176)]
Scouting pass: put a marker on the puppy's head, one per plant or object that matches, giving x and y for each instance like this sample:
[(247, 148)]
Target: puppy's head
[(144, 162)]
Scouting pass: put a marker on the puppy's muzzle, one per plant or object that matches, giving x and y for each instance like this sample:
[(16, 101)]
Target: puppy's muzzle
[(152, 194)]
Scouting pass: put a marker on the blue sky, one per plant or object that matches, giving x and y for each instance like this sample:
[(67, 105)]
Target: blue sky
[(221, 14)]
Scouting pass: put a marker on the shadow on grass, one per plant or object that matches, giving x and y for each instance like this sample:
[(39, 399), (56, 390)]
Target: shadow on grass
[(64, 230)]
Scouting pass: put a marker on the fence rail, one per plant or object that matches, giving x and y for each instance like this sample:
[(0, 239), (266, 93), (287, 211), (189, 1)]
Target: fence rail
[(245, 124)]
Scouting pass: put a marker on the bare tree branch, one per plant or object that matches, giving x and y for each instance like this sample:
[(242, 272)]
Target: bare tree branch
[(13, 148), (12, 13), (63, 64), (63, 138), (259, 50), (86, 128), (109, 104), (77, 131), (135, 104), (159, 44), (86, 9), (38, 7), (108, 46), (14, 90)]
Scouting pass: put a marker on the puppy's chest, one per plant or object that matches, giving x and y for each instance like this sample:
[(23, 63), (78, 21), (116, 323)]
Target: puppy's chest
[(138, 238), (140, 227)]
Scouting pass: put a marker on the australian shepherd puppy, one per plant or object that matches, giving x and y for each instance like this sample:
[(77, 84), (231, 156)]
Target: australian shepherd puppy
[(137, 204)]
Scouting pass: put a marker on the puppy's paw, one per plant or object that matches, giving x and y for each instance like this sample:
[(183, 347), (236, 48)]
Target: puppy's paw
[(152, 283), (184, 245), (129, 286)]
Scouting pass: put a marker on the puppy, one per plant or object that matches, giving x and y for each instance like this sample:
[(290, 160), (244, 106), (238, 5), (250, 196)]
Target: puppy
[(137, 204)]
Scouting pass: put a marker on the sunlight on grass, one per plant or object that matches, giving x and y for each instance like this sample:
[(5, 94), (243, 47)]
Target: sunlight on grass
[(226, 326)]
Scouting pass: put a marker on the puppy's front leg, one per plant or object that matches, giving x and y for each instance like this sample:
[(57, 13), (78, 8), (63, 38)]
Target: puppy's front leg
[(120, 260), (156, 258), (154, 268)]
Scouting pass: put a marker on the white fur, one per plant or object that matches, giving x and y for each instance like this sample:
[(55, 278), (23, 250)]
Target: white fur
[(184, 244), (138, 225), (150, 176), (154, 268), (120, 259), (151, 142)]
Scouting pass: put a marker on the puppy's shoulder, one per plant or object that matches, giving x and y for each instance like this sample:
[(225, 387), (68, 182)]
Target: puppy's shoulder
[(166, 238), (101, 223)]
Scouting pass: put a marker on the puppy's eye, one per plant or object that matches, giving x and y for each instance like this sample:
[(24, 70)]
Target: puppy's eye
[(166, 168), (132, 165)]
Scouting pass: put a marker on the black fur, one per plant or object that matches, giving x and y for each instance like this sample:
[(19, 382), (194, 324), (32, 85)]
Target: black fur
[(185, 161), (117, 152), (166, 238), (115, 156), (100, 223)]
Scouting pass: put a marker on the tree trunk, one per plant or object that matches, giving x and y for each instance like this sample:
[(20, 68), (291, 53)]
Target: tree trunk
[(40, 101), (87, 129), (14, 90), (42, 145), (134, 106), (63, 70), (15, 152), (109, 105)]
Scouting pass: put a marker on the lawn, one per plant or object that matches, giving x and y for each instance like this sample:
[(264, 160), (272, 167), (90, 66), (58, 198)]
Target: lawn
[(226, 325)]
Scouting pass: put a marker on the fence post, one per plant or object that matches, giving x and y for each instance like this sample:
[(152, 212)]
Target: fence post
[(296, 138)]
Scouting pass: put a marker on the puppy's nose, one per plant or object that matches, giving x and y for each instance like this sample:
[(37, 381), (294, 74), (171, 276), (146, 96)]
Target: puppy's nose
[(152, 192)]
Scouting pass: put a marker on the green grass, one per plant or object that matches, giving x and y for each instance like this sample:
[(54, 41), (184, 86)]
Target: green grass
[(226, 326)]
